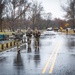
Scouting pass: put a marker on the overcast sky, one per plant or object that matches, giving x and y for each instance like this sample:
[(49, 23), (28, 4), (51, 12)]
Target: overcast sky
[(53, 6)]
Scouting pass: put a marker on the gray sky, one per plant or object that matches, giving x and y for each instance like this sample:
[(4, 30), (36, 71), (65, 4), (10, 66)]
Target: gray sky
[(53, 6)]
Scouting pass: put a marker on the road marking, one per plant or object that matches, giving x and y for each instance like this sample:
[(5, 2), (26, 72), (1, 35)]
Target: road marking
[(52, 66), (44, 69)]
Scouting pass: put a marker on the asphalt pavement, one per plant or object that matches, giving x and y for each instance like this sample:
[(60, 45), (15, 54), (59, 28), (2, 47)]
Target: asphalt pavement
[(55, 56)]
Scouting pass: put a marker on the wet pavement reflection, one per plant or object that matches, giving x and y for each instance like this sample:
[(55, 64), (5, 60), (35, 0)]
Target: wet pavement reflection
[(18, 64), (37, 57), (29, 50), (70, 41), (18, 60)]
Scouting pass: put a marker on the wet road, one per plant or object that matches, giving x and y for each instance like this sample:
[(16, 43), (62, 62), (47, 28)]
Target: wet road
[(55, 56)]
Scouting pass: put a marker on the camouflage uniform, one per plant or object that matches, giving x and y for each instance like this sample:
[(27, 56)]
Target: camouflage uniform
[(29, 35), (18, 38), (36, 34)]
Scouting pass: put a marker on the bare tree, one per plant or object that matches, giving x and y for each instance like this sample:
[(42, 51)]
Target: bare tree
[(47, 17), (70, 11), (15, 10), (1, 10), (35, 14)]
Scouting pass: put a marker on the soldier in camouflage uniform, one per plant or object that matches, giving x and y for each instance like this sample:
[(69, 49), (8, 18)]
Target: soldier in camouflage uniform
[(36, 34), (18, 38), (29, 35)]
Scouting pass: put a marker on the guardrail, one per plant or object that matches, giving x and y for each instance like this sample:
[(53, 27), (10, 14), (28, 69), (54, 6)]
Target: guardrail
[(7, 45)]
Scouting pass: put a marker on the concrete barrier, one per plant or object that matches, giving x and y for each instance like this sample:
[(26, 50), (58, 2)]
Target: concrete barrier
[(7, 45)]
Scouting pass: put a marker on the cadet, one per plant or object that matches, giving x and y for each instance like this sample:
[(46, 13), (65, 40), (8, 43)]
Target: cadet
[(18, 38), (36, 34), (29, 35)]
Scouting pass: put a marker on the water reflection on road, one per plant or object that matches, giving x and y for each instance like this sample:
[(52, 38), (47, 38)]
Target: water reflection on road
[(37, 57), (18, 64), (70, 41)]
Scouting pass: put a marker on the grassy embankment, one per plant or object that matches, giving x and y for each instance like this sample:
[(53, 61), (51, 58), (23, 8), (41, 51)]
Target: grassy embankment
[(69, 31), (6, 33)]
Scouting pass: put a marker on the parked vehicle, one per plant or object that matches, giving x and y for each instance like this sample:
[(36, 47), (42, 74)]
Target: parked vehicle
[(49, 33), (4, 37), (56, 29), (49, 29)]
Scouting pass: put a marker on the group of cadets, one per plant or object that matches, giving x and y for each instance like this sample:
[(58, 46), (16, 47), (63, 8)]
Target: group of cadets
[(36, 33), (29, 33)]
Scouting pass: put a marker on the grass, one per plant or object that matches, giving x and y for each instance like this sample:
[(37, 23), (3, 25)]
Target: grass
[(69, 32), (6, 33)]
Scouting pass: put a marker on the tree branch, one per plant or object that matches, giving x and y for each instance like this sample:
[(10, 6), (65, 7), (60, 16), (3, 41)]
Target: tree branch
[(23, 11)]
